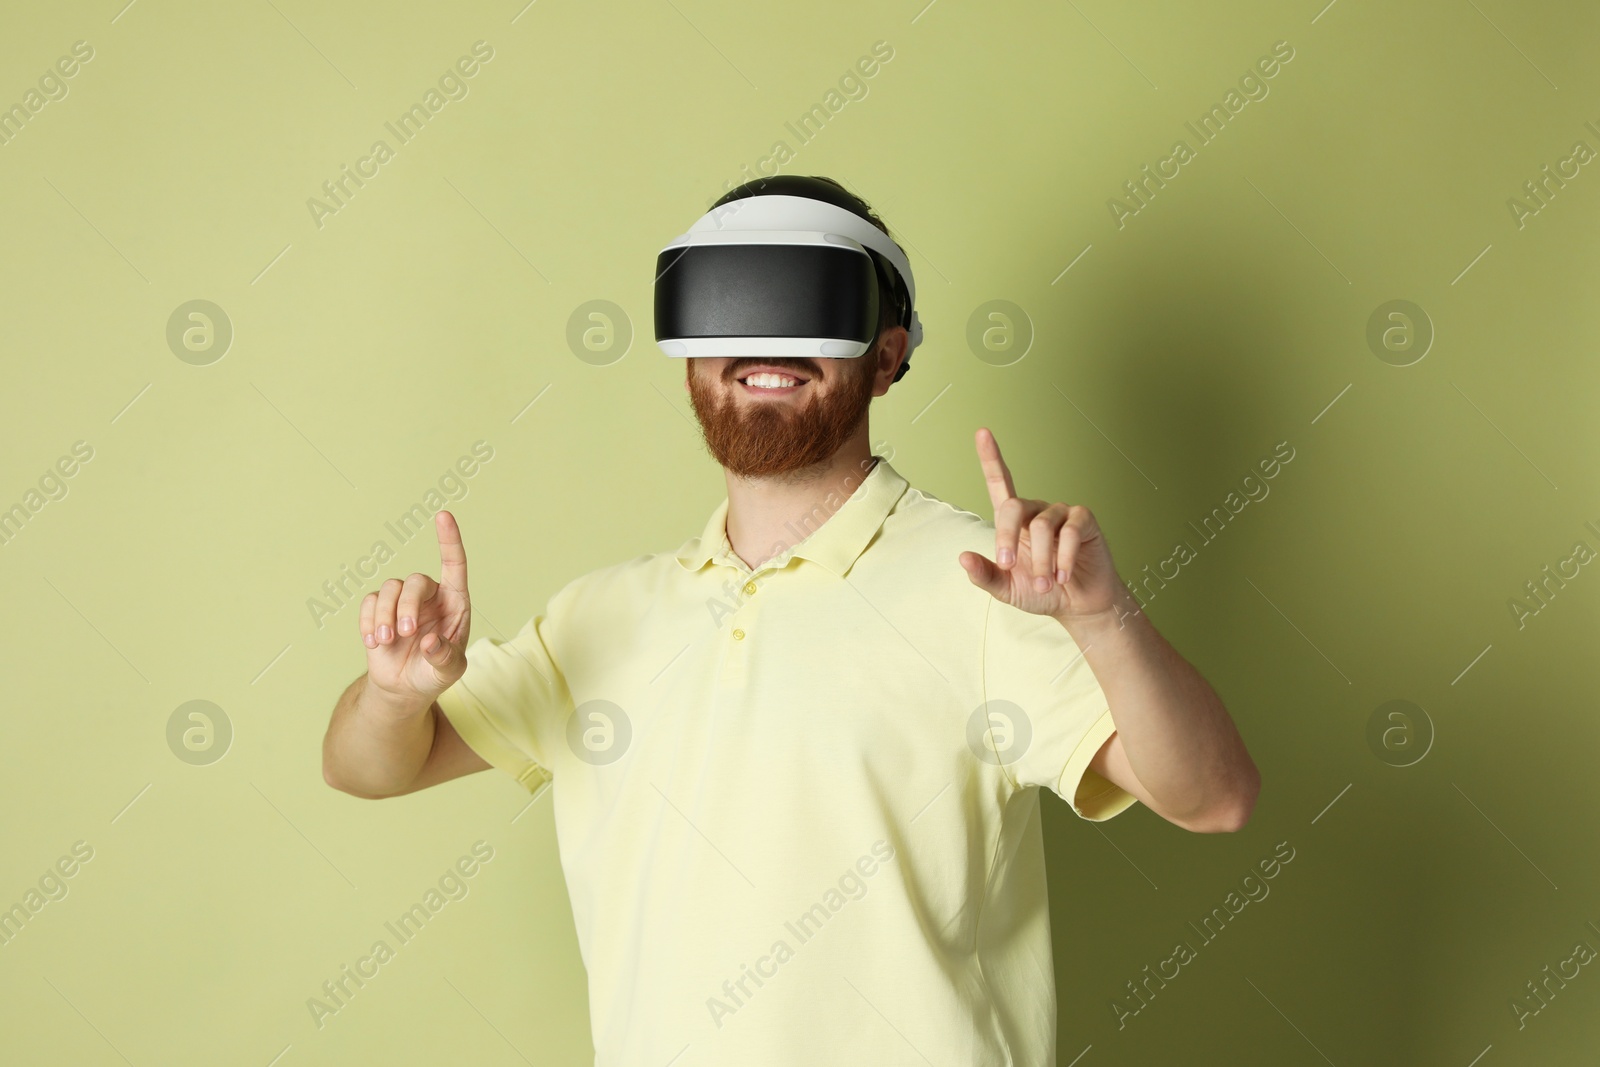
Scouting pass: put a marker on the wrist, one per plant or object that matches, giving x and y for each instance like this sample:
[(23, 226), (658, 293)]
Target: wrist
[(1124, 611), (391, 706)]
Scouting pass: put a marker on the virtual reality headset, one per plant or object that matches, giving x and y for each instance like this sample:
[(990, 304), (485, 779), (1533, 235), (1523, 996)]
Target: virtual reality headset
[(780, 276)]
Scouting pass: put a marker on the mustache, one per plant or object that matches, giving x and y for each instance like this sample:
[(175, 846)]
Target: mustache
[(803, 367)]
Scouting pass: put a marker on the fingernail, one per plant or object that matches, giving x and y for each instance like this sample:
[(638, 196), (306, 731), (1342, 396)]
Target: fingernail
[(1041, 583), (384, 633), (407, 624), (371, 641), (1004, 558), (1061, 576)]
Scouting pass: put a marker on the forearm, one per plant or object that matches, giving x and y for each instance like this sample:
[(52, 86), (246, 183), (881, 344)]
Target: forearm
[(373, 748), (1178, 738)]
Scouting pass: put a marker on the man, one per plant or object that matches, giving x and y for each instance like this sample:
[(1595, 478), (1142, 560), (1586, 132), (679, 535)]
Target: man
[(796, 763)]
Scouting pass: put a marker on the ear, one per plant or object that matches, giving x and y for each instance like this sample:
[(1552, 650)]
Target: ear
[(891, 352)]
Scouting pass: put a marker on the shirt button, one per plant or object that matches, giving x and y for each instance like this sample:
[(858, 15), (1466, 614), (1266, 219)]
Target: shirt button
[(749, 588), (738, 635)]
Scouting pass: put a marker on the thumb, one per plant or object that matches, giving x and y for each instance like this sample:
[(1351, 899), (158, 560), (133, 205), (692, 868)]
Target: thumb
[(985, 574), (441, 656)]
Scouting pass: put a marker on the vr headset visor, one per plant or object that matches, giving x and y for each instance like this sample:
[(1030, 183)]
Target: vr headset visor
[(778, 276)]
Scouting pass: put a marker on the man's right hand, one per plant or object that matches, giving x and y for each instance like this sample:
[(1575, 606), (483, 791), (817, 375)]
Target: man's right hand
[(416, 631)]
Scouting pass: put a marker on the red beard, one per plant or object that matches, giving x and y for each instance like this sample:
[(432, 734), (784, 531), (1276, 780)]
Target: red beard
[(777, 437)]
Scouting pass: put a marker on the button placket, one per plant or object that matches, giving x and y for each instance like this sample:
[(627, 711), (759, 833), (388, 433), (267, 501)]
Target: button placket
[(744, 616), (733, 631), (739, 591), (744, 626)]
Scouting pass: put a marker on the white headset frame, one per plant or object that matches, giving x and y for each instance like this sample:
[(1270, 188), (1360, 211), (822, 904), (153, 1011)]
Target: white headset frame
[(796, 220)]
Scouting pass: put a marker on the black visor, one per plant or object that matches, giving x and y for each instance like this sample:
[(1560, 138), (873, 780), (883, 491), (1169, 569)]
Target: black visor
[(766, 290)]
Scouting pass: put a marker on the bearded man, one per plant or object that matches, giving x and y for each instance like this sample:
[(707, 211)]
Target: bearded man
[(796, 763)]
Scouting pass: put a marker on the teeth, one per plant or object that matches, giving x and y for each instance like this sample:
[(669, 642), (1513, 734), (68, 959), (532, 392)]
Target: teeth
[(770, 381)]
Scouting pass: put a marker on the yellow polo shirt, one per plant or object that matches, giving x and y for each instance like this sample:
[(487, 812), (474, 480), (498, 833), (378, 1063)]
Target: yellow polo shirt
[(797, 807)]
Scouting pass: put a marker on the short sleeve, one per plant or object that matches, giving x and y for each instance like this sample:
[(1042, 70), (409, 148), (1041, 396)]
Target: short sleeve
[(1048, 715), (513, 698)]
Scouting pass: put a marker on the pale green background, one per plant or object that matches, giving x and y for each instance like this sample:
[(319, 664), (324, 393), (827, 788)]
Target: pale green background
[(428, 313)]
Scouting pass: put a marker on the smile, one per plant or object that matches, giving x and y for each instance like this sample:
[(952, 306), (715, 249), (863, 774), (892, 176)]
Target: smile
[(771, 383)]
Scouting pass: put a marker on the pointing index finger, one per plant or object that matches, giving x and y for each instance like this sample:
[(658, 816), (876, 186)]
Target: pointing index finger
[(995, 472), (452, 554)]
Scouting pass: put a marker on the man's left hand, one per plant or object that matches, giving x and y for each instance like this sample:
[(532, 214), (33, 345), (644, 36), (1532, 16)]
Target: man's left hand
[(1052, 558)]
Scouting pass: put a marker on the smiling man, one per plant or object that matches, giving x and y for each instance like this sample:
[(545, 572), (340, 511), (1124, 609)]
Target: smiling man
[(796, 763)]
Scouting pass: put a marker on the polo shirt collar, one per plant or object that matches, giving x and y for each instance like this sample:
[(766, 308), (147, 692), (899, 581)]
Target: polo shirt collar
[(835, 545)]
